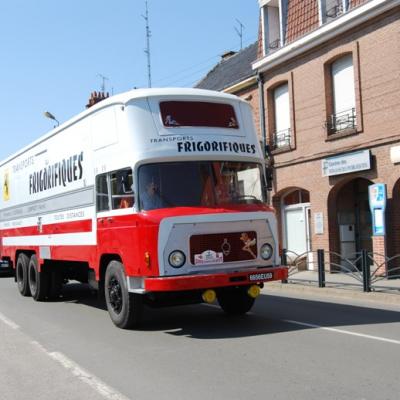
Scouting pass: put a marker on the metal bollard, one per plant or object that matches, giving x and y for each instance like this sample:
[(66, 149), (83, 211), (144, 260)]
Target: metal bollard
[(284, 262), (366, 271), (321, 268)]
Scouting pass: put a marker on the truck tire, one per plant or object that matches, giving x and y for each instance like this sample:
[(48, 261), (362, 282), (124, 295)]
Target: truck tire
[(125, 308), (55, 283), (235, 300), (21, 274), (38, 281)]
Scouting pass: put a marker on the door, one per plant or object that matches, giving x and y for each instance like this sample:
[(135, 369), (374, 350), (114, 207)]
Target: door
[(296, 230)]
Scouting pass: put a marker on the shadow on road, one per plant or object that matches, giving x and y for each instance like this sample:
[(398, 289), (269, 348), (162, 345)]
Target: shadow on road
[(267, 317), (80, 294)]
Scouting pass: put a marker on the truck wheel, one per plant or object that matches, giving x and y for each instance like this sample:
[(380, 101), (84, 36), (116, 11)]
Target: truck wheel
[(235, 301), (21, 274), (55, 283), (38, 281), (125, 308)]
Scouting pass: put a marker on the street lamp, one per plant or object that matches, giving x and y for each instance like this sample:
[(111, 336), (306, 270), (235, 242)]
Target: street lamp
[(51, 116)]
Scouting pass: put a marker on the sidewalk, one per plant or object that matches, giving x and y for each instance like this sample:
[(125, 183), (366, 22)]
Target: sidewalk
[(339, 286)]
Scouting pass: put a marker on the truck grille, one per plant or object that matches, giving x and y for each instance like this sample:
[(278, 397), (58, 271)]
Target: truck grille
[(237, 246)]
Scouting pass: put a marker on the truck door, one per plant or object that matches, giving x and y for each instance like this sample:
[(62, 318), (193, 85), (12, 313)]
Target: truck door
[(115, 217)]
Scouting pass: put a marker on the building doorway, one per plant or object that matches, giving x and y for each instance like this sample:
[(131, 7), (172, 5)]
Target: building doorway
[(353, 216), (295, 207)]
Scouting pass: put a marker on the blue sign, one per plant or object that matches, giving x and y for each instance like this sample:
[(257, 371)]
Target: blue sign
[(377, 205)]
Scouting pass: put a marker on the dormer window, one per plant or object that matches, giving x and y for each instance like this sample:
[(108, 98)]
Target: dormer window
[(331, 9), (272, 24)]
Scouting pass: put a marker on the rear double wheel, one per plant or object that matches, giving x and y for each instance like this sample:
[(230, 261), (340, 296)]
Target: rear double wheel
[(125, 308), (38, 280), (235, 300), (21, 274)]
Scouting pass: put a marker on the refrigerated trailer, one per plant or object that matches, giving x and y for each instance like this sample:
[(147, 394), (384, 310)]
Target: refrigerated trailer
[(154, 197)]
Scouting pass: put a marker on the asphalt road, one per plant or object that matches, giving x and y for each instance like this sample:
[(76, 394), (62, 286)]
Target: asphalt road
[(289, 347)]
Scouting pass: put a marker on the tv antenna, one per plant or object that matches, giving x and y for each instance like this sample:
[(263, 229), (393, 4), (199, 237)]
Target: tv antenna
[(103, 82), (147, 50), (240, 32)]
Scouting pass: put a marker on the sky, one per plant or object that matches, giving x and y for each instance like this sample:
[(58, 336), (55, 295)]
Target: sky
[(53, 53)]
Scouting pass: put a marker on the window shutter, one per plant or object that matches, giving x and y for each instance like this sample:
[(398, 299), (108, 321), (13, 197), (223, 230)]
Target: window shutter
[(282, 108), (343, 84)]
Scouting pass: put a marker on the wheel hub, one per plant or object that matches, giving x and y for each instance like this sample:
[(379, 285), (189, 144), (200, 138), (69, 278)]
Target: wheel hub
[(115, 295)]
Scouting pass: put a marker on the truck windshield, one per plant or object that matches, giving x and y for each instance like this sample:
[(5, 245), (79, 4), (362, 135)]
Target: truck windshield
[(200, 183)]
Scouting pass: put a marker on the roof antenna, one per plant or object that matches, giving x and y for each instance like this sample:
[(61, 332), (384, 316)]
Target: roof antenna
[(240, 32), (147, 50), (103, 82)]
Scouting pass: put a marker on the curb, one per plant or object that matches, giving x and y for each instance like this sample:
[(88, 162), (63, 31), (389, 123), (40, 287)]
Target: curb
[(345, 294)]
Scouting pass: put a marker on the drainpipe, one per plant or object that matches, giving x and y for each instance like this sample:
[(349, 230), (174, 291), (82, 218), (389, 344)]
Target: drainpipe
[(266, 148), (262, 109)]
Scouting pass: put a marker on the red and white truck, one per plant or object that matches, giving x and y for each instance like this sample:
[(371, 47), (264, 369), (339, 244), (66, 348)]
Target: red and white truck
[(153, 197)]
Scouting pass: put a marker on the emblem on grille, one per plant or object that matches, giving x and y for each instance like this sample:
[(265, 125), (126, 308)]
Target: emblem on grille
[(226, 247), (248, 243)]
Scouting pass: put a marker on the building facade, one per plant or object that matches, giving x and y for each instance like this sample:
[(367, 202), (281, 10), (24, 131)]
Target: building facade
[(330, 72)]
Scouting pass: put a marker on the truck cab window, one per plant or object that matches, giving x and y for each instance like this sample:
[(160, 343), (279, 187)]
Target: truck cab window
[(122, 195), (200, 184), (102, 199)]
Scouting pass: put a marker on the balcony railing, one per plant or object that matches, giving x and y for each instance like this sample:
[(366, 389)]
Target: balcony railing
[(281, 139), (335, 11), (275, 44), (341, 121)]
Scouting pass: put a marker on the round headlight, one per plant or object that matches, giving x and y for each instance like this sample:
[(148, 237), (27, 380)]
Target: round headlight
[(176, 259), (266, 251)]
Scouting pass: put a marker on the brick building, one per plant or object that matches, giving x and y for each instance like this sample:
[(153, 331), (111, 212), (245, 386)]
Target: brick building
[(327, 82), (331, 74)]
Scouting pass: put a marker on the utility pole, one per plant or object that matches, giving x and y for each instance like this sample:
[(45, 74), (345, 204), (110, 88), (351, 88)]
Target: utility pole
[(240, 32), (147, 50)]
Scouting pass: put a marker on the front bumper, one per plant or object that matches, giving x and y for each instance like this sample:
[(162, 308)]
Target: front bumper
[(215, 280)]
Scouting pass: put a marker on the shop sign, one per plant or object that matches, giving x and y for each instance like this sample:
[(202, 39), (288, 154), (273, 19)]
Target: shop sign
[(318, 223), (346, 163), (377, 204)]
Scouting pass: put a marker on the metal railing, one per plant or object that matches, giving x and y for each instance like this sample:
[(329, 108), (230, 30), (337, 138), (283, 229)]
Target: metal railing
[(335, 11), (281, 139), (275, 44), (371, 271), (341, 121)]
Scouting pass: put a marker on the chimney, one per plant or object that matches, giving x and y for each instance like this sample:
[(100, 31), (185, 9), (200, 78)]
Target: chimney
[(96, 97), (227, 54)]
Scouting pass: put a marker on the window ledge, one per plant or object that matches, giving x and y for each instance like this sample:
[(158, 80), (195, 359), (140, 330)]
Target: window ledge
[(341, 134), (283, 149)]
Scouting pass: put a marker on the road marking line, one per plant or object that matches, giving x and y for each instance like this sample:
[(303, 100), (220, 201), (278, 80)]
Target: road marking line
[(8, 322), (97, 384), (342, 331)]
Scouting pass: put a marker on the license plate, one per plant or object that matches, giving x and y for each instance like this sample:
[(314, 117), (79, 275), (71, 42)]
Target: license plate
[(266, 276)]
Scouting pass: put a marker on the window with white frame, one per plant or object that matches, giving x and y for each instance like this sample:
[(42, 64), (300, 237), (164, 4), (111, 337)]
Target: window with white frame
[(331, 9), (272, 17), (343, 92), (282, 133)]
